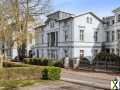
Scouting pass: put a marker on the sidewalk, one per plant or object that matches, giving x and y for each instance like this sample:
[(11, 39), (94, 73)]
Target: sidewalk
[(99, 80)]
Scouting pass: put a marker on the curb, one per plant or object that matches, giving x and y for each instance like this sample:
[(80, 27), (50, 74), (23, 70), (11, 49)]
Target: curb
[(91, 84)]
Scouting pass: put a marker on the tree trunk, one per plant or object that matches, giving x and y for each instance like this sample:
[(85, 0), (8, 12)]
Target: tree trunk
[(21, 52)]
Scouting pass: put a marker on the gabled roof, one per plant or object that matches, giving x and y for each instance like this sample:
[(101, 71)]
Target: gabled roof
[(58, 12), (92, 15)]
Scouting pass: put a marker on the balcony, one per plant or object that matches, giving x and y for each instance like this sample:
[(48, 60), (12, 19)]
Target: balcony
[(53, 39)]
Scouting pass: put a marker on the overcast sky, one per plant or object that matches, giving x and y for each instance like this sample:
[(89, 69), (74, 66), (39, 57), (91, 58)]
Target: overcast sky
[(99, 7)]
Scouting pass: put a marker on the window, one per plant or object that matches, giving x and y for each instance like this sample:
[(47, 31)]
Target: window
[(56, 38), (49, 39), (66, 53), (42, 39), (108, 23), (52, 24), (48, 52), (65, 24), (81, 53), (113, 21), (107, 36), (96, 36), (66, 35), (52, 39), (37, 53), (118, 34), (89, 20), (107, 50), (53, 54), (113, 35), (119, 18), (81, 35), (42, 53)]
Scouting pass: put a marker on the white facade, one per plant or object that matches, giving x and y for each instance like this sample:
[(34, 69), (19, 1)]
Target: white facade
[(65, 34)]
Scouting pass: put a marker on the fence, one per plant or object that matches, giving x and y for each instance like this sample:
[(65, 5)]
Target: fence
[(107, 66), (97, 66)]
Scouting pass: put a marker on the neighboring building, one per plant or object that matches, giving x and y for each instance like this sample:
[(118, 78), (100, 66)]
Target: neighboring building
[(67, 35), (112, 32)]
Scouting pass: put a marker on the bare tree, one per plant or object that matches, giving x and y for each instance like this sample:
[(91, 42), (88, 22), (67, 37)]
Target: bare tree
[(15, 18)]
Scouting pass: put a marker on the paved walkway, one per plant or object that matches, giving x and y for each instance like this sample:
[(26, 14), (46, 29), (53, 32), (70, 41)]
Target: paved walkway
[(101, 80), (58, 86)]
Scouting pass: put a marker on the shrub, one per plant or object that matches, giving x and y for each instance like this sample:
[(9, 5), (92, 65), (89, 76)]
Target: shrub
[(38, 61), (84, 61), (107, 57), (47, 62), (51, 73), (107, 61), (58, 64), (14, 64), (21, 73)]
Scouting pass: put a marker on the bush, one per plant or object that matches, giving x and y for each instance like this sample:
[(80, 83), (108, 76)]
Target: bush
[(14, 64), (51, 73), (107, 61), (21, 73), (107, 57), (84, 61), (38, 61), (58, 64)]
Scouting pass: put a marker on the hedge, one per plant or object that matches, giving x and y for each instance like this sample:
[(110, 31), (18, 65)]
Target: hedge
[(51, 73), (43, 62), (14, 64), (28, 73), (20, 73), (38, 61)]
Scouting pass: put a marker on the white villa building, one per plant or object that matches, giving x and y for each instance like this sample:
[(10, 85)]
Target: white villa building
[(65, 34)]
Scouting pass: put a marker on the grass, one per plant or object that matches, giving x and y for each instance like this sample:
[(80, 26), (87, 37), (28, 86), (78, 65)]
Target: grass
[(13, 84)]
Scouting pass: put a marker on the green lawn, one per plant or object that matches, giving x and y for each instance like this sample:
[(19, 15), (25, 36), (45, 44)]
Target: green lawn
[(13, 84)]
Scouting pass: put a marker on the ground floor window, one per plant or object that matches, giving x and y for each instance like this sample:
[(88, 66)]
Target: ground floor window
[(81, 53), (38, 53), (48, 52), (52, 54), (42, 53), (108, 50), (66, 53)]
